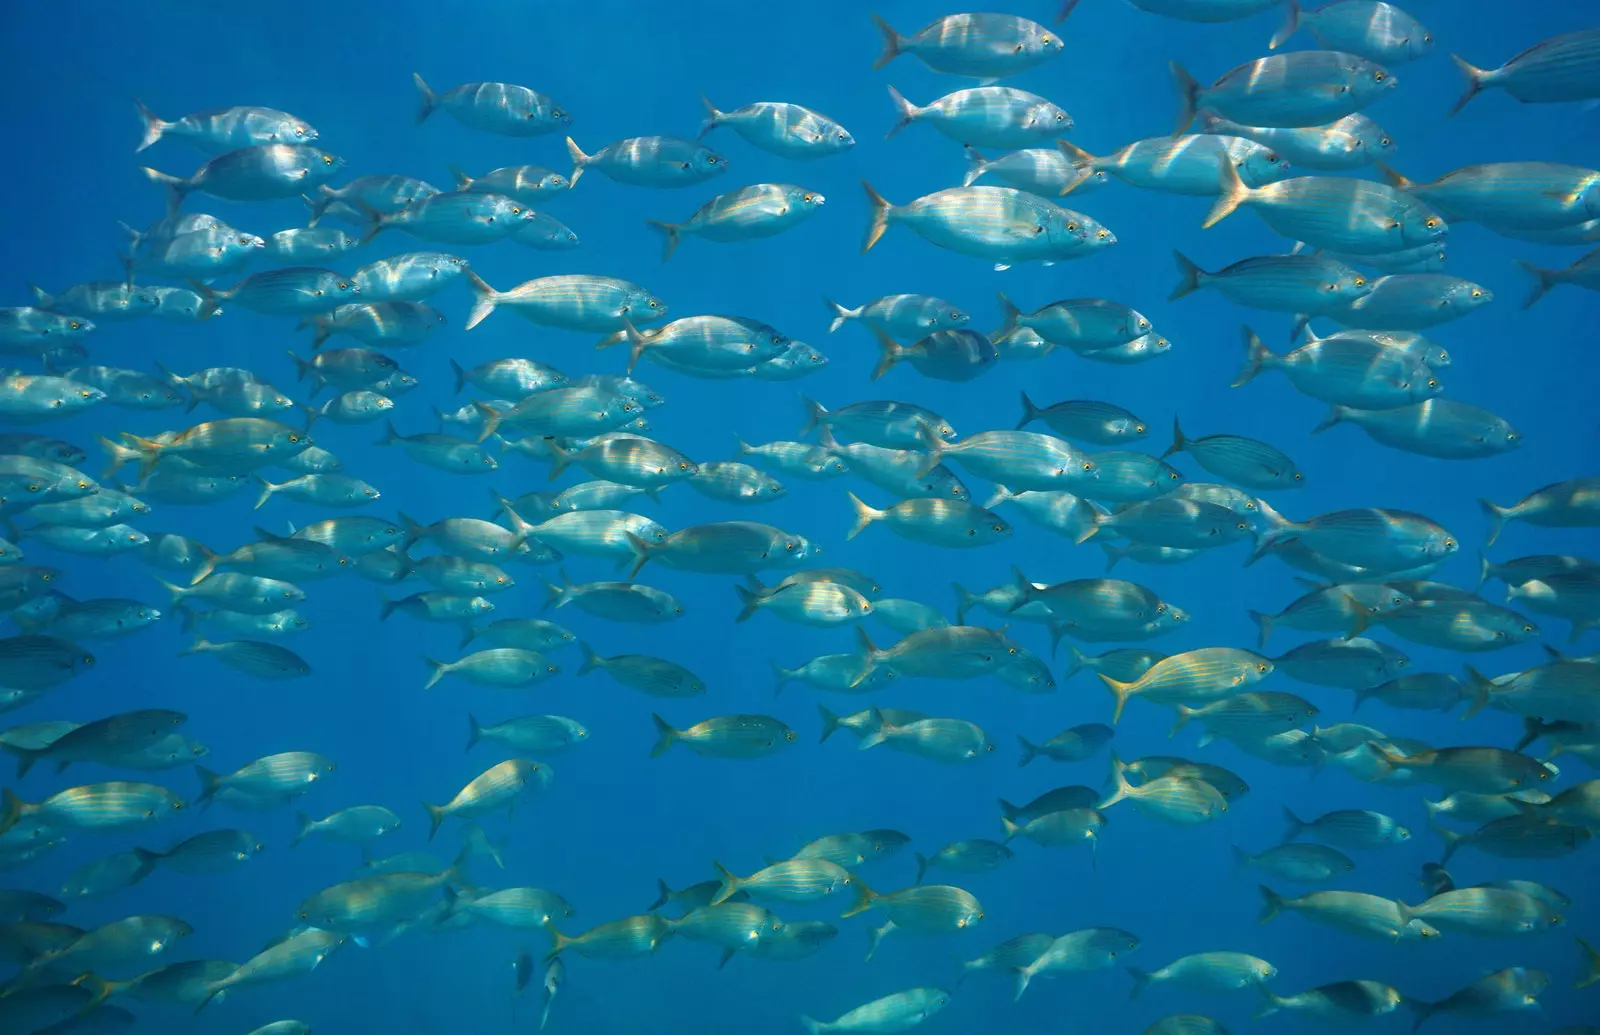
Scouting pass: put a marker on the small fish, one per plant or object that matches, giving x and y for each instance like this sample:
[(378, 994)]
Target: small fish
[(1245, 461), (727, 736), (502, 108), (761, 210), (1309, 88), (1561, 68), (787, 130), (649, 162), (985, 46), (1372, 29)]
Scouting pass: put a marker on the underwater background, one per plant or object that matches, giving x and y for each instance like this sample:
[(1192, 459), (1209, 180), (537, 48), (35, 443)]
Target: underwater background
[(615, 820)]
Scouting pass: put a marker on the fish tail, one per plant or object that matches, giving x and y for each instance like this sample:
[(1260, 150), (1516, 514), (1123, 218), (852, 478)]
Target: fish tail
[(1120, 692), (750, 602), (1257, 357), (1024, 978), (864, 515), (880, 216), (1270, 1004), (893, 43), (386, 607), (1263, 623), (267, 489), (1179, 443), (1081, 160), (153, 127), (200, 646), (663, 895), (965, 601), (10, 810), (1232, 195), (1066, 9), (879, 734), (728, 887), (210, 784), (1030, 751), (922, 867), (484, 299), (671, 230), (1336, 413), (426, 102), (713, 117), (1188, 98), (665, 736), (491, 419), (474, 731), (558, 941), (436, 671), (1294, 826), (977, 165), (863, 900), (436, 814), (1074, 662), (591, 660), (1543, 281), (1119, 775), (869, 656), (1451, 839), (890, 353), (463, 182), (1271, 904), (812, 1025), (1010, 320), (1590, 973), (1497, 517), (640, 551), (302, 828), (905, 109), (1485, 571), (1188, 276), (1241, 858), (933, 448), (1291, 24), (840, 313), (830, 723), (1475, 82), (1420, 1009), (209, 306), (1141, 981), (579, 162), (1009, 824), (1097, 518), (815, 411), (1482, 689), (177, 188)]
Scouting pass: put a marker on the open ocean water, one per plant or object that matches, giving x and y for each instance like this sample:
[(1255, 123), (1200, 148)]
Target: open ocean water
[(614, 820)]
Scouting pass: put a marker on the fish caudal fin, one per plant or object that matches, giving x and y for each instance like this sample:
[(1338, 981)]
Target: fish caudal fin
[(1233, 193), (890, 352), (1256, 358), (977, 165), (1188, 277), (1120, 692), (1476, 78), (1497, 517), (906, 111), (840, 313), (436, 814), (579, 162), (153, 128), (1271, 904), (1543, 281), (1294, 826), (864, 515), (672, 233), (665, 736), (426, 102), (1188, 98), (484, 299), (729, 885), (1291, 24), (893, 43), (1141, 981), (880, 216), (1030, 751), (713, 117)]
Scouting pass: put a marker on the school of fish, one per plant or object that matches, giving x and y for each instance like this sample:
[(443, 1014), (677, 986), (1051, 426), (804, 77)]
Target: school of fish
[(1281, 136)]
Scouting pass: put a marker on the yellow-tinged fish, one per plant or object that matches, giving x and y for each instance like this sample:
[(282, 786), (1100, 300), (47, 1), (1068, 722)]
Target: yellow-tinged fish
[(1182, 800), (495, 788), (1193, 676), (725, 736), (618, 939), (109, 806)]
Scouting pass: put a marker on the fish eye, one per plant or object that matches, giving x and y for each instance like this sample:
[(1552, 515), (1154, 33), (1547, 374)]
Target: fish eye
[(1061, 116), (516, 210), (1072, 225), (1160, 608), (1242, 526), (1103, 234), (293, 439), (1088, 465), (1476, 293), (1361, 282), (327, 159), (1299, 477), (1018, 49), (1261, 667), (73, 324), (999, 528), (1174, 476), (972, 531), (1431, 224), (1433, 382)]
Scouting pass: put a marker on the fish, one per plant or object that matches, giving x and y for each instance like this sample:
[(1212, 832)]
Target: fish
[(985, 46), (899, 316), (1512, 989), (256, 172), (497, 787), (1561, 68), (649, 162), (727, 736), (761, 210), (900, 1011), (1206, 971), (1569, 504), (502, 108), (1243, 461), (1372, 29), (782, 128), (986, 116), (1369, 916), (1351, 216), (1179, 164), (226, 129), (1302, 863), (1309, 88), (1002, 224)]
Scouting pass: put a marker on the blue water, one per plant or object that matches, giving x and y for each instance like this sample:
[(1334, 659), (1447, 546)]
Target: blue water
[(615, 820)]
